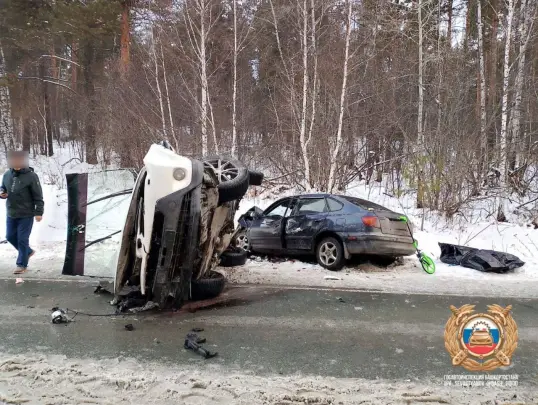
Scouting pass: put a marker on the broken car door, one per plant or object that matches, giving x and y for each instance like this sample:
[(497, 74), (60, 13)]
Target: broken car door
[(266, 230), (98, 204), (305, 223)]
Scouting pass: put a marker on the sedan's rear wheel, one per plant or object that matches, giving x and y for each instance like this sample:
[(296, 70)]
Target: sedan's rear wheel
[(330, 254)]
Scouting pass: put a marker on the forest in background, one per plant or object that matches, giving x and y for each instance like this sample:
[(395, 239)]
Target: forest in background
[(440, 96)]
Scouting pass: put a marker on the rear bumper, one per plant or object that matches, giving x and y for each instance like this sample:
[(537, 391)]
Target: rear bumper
[(178, 235), (381, 245)]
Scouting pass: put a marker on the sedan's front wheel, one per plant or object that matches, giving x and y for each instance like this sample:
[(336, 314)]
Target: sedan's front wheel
[(330, 254)]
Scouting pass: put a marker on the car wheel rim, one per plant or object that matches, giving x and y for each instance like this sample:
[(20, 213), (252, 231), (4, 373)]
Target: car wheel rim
[(242, 242), (328, 253), (224, 169)]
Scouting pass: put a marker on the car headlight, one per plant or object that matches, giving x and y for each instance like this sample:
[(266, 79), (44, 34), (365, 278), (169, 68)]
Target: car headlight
[(179, 174)]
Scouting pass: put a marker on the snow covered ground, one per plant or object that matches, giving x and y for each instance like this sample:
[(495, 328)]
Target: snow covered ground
[(57, 380), (474, 227)]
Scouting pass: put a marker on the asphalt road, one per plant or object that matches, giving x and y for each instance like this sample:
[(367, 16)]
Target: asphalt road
[(263, 330)]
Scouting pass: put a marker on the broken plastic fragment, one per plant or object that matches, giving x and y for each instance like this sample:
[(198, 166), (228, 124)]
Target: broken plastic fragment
[(19, 281), (331, 278)]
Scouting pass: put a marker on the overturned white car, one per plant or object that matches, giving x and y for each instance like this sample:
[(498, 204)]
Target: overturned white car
[(178, 227)]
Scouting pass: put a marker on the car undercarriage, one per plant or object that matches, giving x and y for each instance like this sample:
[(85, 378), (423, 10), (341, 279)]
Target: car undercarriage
[(178, 228)]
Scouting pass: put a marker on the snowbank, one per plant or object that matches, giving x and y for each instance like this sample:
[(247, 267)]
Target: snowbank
[(57, 380)]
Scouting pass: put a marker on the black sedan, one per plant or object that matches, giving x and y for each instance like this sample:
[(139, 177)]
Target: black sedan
[(333, 227)]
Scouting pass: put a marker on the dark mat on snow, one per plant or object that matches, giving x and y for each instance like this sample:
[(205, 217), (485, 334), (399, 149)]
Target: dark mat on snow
[(479, 259)]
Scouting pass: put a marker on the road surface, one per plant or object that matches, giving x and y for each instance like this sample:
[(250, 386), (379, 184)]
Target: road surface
[(265, 331)]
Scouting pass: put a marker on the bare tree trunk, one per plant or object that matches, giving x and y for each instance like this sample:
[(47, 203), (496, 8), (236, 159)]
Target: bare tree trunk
[(157, 83), (165, 78), (336, 150), (308, 179), (504, 111), (125, 38), (493, 70), (6, 123), (526, 20), (420, 115), (234, 94), (302, 130), (203, 73), (483, 116), (46, 110), (450, 6), (89, 90), (26, 135), (506, 83)]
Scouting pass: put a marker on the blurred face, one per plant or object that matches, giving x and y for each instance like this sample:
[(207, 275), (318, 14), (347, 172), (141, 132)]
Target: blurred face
[(18, 160)]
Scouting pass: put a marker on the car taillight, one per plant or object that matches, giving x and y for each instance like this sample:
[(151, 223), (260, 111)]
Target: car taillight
[(370, 221)]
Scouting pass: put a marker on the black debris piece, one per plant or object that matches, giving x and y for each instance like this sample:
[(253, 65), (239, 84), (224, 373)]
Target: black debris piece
[(193, 341), (340, 299), (479, 259), (129, 303), (129, 327), (101, 290), (197, 329)]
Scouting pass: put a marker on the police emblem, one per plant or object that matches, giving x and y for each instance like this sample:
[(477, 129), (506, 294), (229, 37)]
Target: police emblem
[(481, 342)]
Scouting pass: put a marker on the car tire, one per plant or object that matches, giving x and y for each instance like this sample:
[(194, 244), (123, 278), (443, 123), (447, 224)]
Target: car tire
[(209, 287), (241, 241), (255, 178), (330, 254), (233, 188), (233, 258)]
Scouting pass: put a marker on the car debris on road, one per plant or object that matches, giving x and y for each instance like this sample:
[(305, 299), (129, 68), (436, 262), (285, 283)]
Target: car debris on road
[(193, 342)]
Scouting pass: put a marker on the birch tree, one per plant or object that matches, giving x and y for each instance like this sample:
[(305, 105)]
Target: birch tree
[(503, 161), (199, 27), (483, 116), (527, 16), (338, 144), (315, 85), (6, 122), (506, 83), (302, 130), (420, 112), (157, 83), (234, 91)]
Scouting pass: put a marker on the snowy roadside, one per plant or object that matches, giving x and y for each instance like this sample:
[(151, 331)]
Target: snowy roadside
[(406, 278), (55, 380)]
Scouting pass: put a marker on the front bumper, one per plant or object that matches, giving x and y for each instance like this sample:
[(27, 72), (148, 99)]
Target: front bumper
[(380, 245), (176, 231)]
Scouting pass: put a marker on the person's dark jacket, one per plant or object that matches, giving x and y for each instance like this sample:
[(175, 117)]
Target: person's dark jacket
[(25, 196)]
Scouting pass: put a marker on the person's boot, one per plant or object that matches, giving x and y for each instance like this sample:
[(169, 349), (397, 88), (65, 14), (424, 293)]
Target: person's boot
[(20, 270)]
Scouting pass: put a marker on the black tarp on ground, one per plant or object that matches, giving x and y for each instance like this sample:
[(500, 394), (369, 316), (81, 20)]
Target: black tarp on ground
[(479, 259)]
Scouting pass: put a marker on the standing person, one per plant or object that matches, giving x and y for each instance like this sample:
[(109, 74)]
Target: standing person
[(22, 190)]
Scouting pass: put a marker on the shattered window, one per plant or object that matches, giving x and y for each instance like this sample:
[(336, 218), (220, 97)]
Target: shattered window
[(278, 210), (311, 206)]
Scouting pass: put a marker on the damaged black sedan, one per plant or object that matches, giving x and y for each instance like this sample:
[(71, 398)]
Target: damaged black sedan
[(332, 227)]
